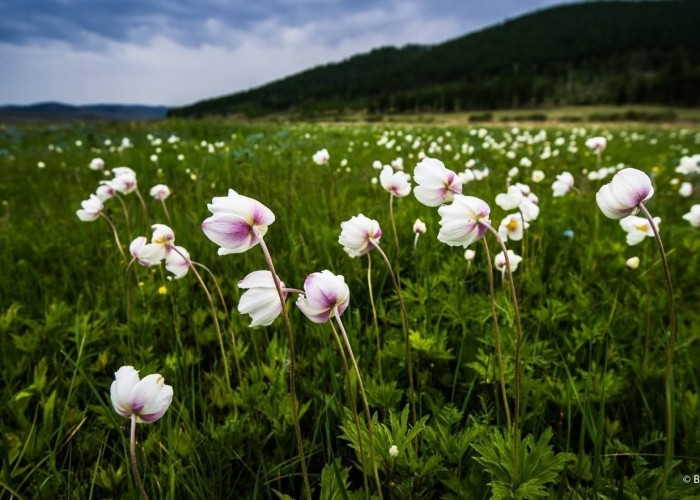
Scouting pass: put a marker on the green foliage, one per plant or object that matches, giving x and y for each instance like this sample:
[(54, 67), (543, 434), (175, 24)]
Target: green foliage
[(537, 464)]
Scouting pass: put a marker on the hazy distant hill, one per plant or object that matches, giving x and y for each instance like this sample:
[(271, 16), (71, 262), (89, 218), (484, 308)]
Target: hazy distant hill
[(57, 112), (589, 53)]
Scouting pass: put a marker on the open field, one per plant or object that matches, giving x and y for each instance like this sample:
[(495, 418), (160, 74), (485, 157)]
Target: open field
[(595, 333)]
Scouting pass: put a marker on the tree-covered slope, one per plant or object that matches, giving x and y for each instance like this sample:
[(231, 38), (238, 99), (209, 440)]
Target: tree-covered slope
[(588, 53)]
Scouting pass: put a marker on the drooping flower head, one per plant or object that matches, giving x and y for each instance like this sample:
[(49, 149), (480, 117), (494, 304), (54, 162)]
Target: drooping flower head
[(147, 399), (563, 184), (397, 183), (160, 192), (178, 262), (638, 228), (324, 292), (237, 223), (105, 191), (91, 209), (463, 222), (260, 300), (359, 235), (622, 196), (500, 261), (435, 184), (597, 144), (124, 180), (136, 250)]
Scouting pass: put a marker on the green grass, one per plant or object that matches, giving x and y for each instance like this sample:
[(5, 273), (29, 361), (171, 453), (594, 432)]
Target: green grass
[(594, 344)]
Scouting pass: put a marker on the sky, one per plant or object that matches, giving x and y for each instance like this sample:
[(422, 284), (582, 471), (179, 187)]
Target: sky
[(175, 52)]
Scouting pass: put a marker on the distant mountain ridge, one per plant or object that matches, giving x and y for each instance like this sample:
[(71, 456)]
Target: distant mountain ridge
[(611, 52), (58, 112)]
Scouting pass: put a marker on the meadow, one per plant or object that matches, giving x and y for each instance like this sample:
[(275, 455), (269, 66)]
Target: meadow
[(594, 330)]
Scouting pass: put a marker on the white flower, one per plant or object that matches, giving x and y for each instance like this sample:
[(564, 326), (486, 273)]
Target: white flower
[(146, 399), (397, 183), (178, 261), (435, 184), (632, 263), (91, 209), (419, 227), (500, 261), (537, 176), (97, 164), (377, 165), (359, 235), (469, 254), (105, 191), (324, 293), (596, 144), (693, 216), (512, 227), (260, 300), (621, 197), (160, 192), (463, 222), (321, 157), (563, 184), (510, 200), (686, 189), (638, 228), (394, 451)]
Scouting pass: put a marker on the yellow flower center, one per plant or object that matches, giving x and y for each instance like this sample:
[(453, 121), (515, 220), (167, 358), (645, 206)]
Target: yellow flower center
[(512, 225)]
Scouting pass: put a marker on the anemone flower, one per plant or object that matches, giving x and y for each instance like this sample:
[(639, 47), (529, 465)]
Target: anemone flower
[(321, 157), (500, 261), (638, 228), (435, 184), (324, 294), (97, 164), (693, 216), (512, 227), (238, 222), (260, 300), (91, 209), (563, 184), (396, 183), (597, 144), (622, 196), (463, 222), (160, 192), (359, 235)]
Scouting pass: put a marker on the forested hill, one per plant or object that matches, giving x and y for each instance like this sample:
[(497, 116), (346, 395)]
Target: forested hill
[(587, 53)]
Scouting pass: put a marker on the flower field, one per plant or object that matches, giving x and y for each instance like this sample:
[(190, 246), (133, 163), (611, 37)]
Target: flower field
[(212, 310)]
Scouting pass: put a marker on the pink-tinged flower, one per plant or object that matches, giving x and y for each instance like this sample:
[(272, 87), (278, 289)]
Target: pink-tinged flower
[(105, 191), (161, 244), (463, 222), (512, 227), (621, 197), (397, 183), (632, 263), (638, 228), (260, 300), (136, 250), (124, 180), (321, 157), (237, 223), (563, 184), (500, 261), (435, 184), (323, 293), (419, 227), (597, 144), (147, 399), (160, 192), (92, 208), (359, 235), (693, 216), (97, 164), (178, 262)]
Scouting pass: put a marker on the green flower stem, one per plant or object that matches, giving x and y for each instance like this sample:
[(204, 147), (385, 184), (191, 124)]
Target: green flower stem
[(353, 404), (668, 451), (374, 317), (496, 335), (368, 415), (134, 466), (404, 320), (292, 366), (116, 235)]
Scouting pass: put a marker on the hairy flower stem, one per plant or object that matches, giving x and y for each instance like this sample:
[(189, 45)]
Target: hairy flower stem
[(143, 205), (374, 316), (668, 452), (167, 213), (126, 214), (116, 235), (353, 403), (368, 415), (236, 359), (404, 320), (518, 342), (292, 366), (216, 323), (496, 336), (134, 466)]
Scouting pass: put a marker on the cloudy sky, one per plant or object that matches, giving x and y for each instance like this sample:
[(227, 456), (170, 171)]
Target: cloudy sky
[(175, 52)]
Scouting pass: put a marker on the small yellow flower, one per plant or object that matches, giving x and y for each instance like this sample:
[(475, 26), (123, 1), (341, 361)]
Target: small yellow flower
[(140, 283), (163, 290)]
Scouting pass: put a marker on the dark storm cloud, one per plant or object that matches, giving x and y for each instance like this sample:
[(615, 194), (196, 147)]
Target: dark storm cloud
[(85, 24)]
